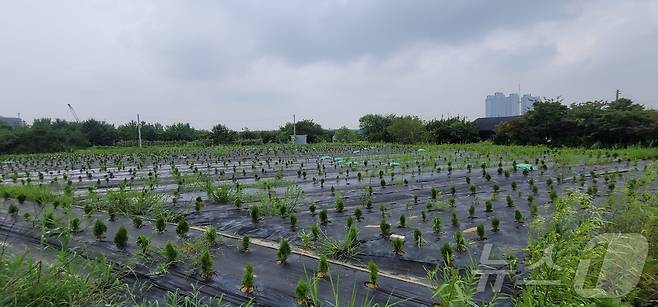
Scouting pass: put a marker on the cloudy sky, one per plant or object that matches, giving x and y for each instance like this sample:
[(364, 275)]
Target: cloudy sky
[(255, 63)]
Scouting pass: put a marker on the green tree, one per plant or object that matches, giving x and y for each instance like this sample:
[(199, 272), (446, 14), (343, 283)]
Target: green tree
[(375, 127), (221, 134), (407, 130)]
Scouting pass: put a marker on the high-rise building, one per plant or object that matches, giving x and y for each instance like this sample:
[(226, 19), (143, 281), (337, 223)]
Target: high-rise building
[(499, 105), (527, 101)]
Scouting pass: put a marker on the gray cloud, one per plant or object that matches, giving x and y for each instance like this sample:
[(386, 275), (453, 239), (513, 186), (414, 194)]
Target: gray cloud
[(255, 63)]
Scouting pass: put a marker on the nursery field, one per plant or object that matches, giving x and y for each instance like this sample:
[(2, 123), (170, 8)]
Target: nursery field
[(330, 225)]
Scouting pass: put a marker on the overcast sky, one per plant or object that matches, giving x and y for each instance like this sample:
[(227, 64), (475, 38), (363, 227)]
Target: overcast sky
[(255, 63)]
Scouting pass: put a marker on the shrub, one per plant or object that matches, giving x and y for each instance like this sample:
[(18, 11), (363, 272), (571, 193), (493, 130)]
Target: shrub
[(418, 237), (495, 223), (373, 272), (385, 227), (13, 210), (383, 183), (170, 252), (99, 229), (137, 222), (323, 265), (248, 278), (423, 216), (403, 221), (143, 243), (510, 201), (471, 211), (315, 230), (480, 231), (74, 225), (255, 214), (324, 219), (121, 237), (245, 243), (284, 251), (301, 291), (312, 208), (211, 235), (533, 209), (460, 242), (293, 221), (488, 206), (397, 245), (434, 193), (454, 219), (436, 225), (518, 217), (358, 214), (182, 228), (160, 224), (21, 198), (446, 253), (111, 212), (339, 203), (349, 222), (206, 264)]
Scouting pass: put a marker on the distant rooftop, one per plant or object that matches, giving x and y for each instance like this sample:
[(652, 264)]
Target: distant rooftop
[(490, 123)]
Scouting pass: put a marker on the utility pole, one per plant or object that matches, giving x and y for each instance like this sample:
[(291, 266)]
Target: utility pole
[(139, 131), (294, 129), (617, 94)]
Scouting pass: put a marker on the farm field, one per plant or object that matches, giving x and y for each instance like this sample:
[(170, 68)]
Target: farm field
[(320, 225)]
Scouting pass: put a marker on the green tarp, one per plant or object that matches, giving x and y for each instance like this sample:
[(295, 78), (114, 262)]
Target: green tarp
[(525, 167)]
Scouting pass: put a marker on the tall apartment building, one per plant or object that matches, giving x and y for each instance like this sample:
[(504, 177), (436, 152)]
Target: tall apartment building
[(499, 105)]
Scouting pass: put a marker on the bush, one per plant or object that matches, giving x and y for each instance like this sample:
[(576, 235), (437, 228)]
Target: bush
[(358, 214), (99, 229), (293, 221), (245, 243), (284, 251), (211, 235), (495, 223), (446, 253), (480, 231), (471, 211), (160, 224), (121, 238), (518, 217), (255, 214), (21, 198), (301, 291), (397, 245), (137, 222), (418, 237), (373, 272), (324, 219), (315, 230), (13, 210), (74, 225), (460, 242), (323, 265), (182, 228), (403, 221), (436, 225), (170, 252), (206, 264), (385, 227), (454, 219), (248, 278), (143, 243)]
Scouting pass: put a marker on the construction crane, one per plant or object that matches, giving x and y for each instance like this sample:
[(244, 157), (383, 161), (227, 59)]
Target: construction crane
[(73, 112)]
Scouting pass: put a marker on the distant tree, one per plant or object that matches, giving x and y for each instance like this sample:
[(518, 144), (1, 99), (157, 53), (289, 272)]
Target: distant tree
[(346, 135), (99, 133), (407, 130), (221, 134), (452, 130), (375, 127)]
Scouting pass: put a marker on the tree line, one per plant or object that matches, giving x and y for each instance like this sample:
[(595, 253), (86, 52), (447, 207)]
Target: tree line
[(596, 123), (593, 123)]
